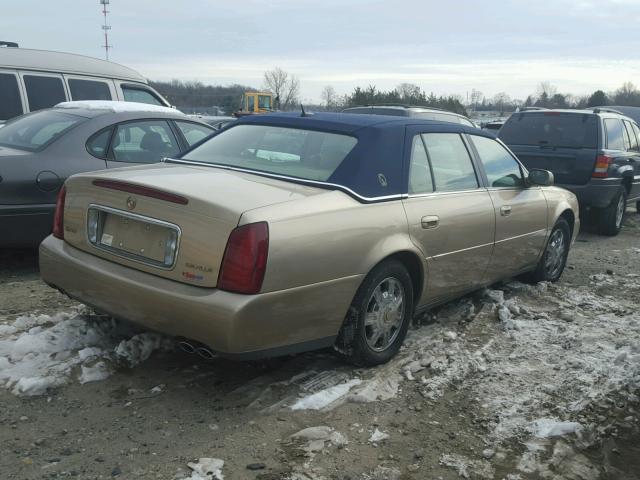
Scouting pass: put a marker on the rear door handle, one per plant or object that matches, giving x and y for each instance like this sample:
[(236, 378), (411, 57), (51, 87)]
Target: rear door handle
[(505, 210), (430, 221)]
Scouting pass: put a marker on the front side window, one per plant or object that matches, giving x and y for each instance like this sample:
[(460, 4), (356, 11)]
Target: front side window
[(615, 133), (501, 168), (139, 95), (419, 171), (36, 131), (10, 103), (306, 154), (88, 90), (450, 162), (193, 132), (43, 92), (147, 141)]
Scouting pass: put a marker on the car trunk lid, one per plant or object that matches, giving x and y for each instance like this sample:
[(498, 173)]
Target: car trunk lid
[(166, 219)]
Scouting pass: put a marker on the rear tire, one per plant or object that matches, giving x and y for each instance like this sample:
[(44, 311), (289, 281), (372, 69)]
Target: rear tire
[(610, 219), (638, 206), (379, 316), (554, 257)]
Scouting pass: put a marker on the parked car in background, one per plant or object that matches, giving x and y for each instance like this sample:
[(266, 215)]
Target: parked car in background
[(412, 111), (493, 126), (593, 153), (38, 151), (31, 80), (216, 121), (289, 232)]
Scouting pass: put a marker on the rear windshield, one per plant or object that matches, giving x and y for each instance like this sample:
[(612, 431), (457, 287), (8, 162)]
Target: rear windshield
[(555, 129), (37, 130), (306, 154)]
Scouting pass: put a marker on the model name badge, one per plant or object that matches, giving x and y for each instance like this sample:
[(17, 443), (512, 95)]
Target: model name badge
[(200, 268), (192, 276)]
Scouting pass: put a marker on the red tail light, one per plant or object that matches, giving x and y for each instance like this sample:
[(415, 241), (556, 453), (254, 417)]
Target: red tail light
[(602, 166), (245, 259), (58, 217)]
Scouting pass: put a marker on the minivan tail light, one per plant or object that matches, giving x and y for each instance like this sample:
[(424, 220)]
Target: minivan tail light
[(58, 216), (602, 166), (245, 259)]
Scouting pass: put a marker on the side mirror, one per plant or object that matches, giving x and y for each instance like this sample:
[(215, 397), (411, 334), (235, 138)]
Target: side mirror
[(537, 176)]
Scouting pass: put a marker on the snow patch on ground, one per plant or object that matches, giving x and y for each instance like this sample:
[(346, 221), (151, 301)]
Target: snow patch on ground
[(39, 352), (206, 469), (324, 398)]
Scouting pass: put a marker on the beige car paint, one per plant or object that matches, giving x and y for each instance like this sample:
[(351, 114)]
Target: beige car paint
[(321, 245)]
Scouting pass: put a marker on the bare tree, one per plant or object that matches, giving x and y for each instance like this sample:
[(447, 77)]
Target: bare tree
[(284, 86), (500, 100), (329, 97), (408, 92)]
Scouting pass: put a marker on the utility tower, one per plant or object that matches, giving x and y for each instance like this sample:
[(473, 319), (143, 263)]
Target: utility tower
[(105, 27)]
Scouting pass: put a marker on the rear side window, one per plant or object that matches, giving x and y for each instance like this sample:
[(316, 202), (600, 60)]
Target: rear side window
[(34, 132), (501, 168), (615, 133), (139, 95), (554, 129), (98, 143), (193, 132), (10, 103), (636, 130), (419, 171), (43, 92), (633, 139), (450, 161), (147, 141), (88, 90)]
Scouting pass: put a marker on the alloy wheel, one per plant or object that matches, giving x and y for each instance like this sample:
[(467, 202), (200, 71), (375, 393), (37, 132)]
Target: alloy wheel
[(384, 315)]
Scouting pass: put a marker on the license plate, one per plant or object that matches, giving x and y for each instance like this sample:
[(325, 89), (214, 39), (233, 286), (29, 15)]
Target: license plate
[(132, 236)]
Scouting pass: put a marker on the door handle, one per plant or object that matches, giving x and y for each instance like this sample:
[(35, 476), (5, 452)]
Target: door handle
[(429, 221), (505, 210)]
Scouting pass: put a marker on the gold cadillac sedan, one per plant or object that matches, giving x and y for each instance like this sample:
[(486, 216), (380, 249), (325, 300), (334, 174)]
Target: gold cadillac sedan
[(288, 232)]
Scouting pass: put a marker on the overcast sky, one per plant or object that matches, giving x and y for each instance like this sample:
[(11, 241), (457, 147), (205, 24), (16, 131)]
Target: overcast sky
[(445, 46)]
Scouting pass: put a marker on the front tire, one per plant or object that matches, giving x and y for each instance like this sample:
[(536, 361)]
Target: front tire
[(379, 316), (554, 257), (610, 219)]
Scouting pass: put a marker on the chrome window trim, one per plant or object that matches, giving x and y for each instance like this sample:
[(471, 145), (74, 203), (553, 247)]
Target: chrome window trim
[(302, 181), (454, 192), (138, 217)]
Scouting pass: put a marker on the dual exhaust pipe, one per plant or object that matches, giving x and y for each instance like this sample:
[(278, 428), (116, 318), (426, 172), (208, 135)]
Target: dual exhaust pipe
[(189, 346)]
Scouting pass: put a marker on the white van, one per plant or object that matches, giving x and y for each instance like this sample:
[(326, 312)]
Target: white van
[(35, 79)]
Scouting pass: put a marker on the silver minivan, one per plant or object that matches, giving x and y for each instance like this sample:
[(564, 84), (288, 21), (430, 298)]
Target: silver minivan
[(35, 79)]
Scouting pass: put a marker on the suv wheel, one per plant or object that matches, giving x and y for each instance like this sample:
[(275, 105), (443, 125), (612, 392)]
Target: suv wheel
[(555, 254), (379, 316), (610, 219)]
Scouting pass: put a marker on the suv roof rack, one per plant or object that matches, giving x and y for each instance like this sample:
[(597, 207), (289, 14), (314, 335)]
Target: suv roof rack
[(530, 109), (8, 44), (607, 109), (402, 105)]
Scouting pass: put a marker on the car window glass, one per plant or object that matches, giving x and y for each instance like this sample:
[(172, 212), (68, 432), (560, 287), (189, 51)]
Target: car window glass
[(88, 90), (633, 140), (501, 168), (419, 171), (193, 132), (636, 130), (295, 152), (139, 95), (450, 162), (147, 141), (555, 129), (10, 103), (615, 133), (43, 92), (97, 144), (36, 131)]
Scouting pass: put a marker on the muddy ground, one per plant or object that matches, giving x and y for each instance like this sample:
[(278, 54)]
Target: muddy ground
[(515, 382)]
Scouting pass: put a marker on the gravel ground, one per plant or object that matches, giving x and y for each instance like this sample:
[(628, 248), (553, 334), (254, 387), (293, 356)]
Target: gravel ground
[(514, 382)]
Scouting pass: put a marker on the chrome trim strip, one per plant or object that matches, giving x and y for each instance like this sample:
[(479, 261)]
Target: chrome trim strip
[(135, 258), (488, 244), (434, 194), (286, 177)]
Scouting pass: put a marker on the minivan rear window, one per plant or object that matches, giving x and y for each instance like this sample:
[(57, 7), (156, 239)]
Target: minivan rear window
[(554, 129), (35, 131), (10, 103), (306, 154)]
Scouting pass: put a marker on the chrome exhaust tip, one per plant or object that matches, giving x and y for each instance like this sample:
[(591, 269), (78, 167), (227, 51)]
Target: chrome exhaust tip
[(186, 347), (205, 353)]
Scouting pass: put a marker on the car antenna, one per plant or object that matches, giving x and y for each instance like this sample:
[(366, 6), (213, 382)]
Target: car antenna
[(304, 114)]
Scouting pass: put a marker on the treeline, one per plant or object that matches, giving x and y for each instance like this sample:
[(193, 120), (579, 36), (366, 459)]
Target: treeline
[(196, 94)]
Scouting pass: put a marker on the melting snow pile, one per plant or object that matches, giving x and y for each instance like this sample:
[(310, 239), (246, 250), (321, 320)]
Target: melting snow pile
[(41, 351)]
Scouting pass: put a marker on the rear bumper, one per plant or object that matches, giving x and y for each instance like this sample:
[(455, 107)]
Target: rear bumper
[(242, 326), (25, 225), (597, 193)]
